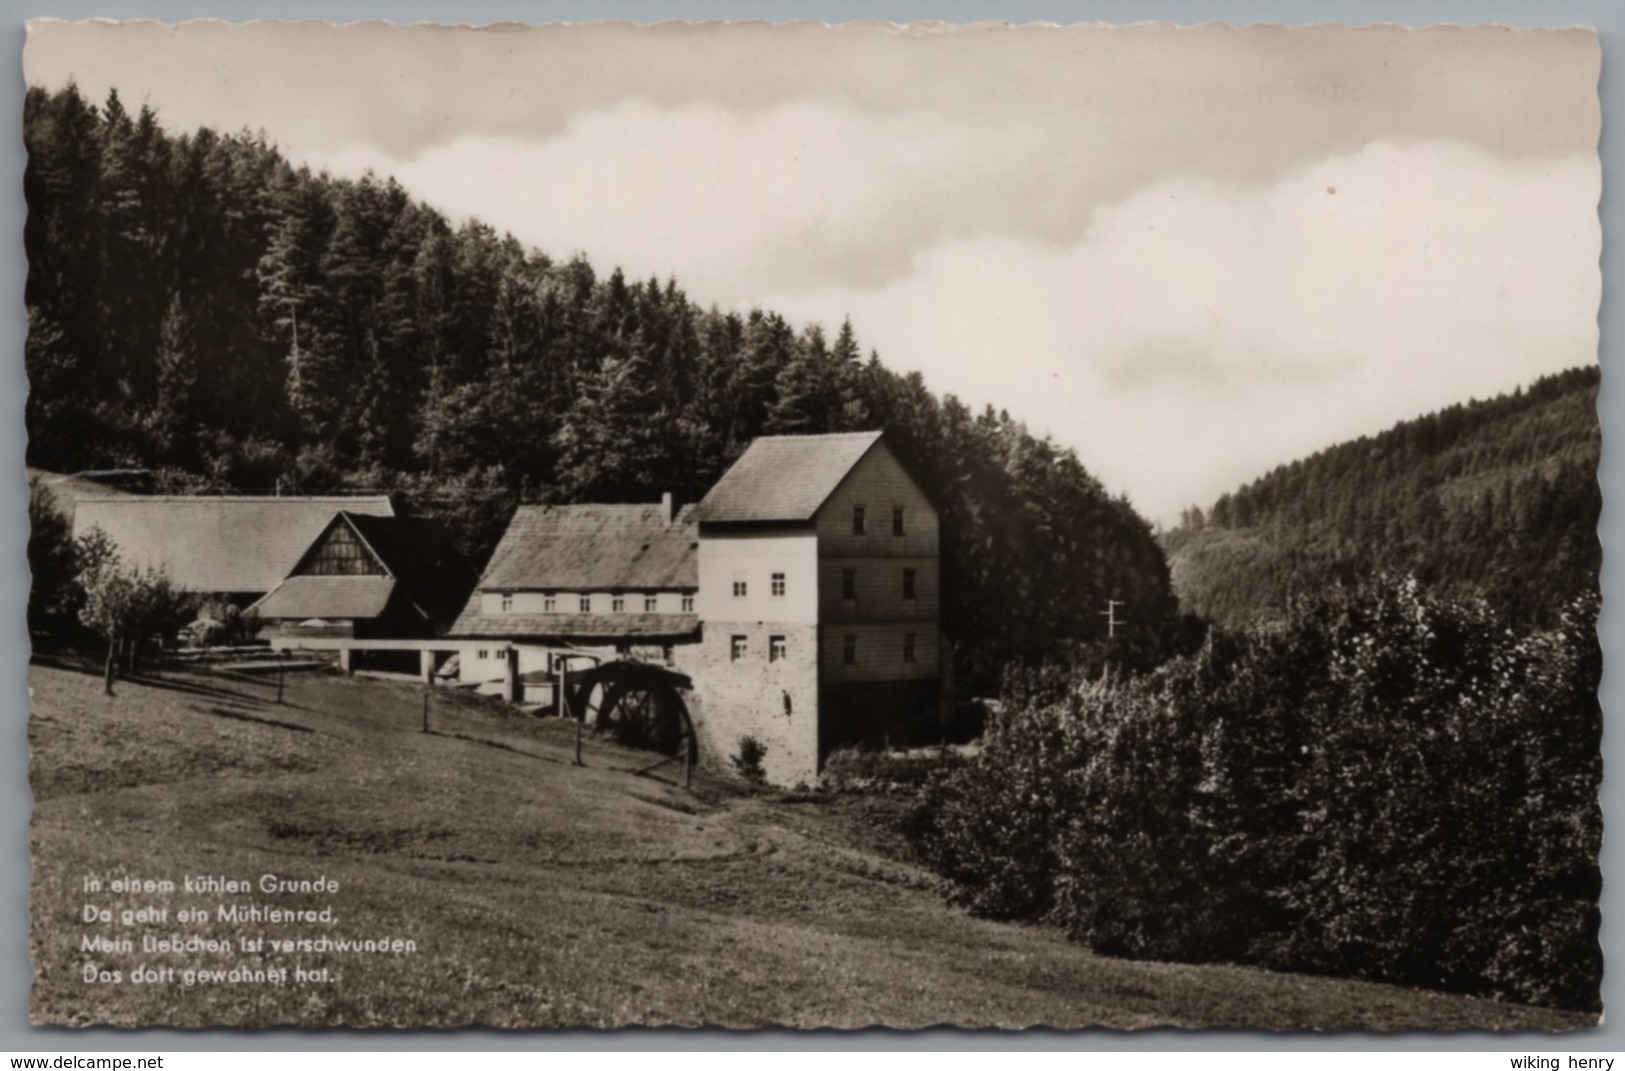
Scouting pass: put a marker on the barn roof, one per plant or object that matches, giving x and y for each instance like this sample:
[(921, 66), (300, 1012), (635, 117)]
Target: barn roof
[(328, 597), (424, 568), (217, 544), (594, 548), (574, 626), (784, 477)]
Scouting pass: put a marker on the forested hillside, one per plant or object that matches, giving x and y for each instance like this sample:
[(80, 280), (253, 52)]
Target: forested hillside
[(1498, 496), (201, 308)]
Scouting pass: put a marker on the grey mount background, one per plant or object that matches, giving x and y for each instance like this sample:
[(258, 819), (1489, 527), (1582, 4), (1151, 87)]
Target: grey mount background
[(15, 1032)]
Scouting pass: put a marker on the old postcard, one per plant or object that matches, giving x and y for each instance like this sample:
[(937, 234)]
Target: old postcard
[(754, 525)]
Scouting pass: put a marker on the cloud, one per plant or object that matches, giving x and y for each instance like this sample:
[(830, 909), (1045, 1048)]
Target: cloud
[(788, 197), (1196, 335)]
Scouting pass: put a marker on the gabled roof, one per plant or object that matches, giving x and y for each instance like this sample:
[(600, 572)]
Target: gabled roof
[(216, 544), (784, 477), (425, 569), (594, 548)]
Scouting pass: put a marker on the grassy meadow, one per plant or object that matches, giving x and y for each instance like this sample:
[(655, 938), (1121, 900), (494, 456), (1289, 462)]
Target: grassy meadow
[(542, 894)]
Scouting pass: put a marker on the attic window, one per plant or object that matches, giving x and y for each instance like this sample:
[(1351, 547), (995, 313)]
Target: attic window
[(688, 604), (897, 521), (858, 527), (550, 603), (650, 603), (849, 583), (586, 604), (617, 604), (908, 583)]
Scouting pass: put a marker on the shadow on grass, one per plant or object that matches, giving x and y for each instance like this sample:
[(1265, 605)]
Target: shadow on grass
[(171, 685), (496, 744), (237, 715), (69, 663)]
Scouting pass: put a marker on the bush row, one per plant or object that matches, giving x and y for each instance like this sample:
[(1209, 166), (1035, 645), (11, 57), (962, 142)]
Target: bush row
[(1386, 785)]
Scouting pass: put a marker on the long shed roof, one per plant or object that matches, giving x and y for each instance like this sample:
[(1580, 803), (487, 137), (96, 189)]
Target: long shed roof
[(594, 548), (217, 544), (784, 477)]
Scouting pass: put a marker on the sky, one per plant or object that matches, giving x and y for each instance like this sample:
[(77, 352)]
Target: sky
[(1191, 254)]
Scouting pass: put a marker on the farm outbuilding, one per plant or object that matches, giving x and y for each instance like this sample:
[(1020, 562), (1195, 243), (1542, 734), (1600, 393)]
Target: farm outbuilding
[(371, 577), (234, 547)]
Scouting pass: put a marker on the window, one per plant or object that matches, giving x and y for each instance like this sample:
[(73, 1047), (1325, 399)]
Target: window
[(617, 604), (507, 604), (908, 583), (857, 521), (776, 649), (586, 604), (740, 587), (668, 654), (849, 650), (688, 604), (897, 520), (778, 585), (650, 603), (908, 646), (737, 648), (849, 583), (484, 653), (550, 603)]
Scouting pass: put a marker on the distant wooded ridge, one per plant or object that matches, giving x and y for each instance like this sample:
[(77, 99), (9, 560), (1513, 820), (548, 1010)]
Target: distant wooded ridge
[(200, 307), (1498, 497)]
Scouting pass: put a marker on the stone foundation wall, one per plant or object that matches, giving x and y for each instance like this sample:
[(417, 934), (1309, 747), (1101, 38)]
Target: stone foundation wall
[(776, 702)]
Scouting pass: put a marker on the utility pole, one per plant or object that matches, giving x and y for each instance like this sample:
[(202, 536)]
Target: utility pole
[(1110, 614)]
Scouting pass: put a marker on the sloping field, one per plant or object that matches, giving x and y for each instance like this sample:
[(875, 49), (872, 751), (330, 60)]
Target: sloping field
[(532, 892)]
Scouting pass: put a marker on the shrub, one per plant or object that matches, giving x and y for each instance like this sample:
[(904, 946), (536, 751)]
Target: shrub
[(1388, 785), (53, 597), (748, 761), (874, 770)]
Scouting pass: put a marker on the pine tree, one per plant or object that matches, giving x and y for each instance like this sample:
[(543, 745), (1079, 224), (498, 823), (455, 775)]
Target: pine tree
[(174, 420), (618, 440)]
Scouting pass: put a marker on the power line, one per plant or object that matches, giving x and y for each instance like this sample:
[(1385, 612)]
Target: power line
[(1110, 614)]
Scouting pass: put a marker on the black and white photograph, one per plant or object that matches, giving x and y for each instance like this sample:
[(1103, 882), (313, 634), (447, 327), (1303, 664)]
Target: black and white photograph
[(813, 526)]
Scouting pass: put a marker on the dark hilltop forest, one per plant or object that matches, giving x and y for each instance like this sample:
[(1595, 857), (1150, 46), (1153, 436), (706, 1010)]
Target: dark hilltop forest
[(202, 309), (1497, 497)]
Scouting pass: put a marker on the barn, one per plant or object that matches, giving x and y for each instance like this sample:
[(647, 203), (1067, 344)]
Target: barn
[(370, 577), (604, 581), (232, 547)]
